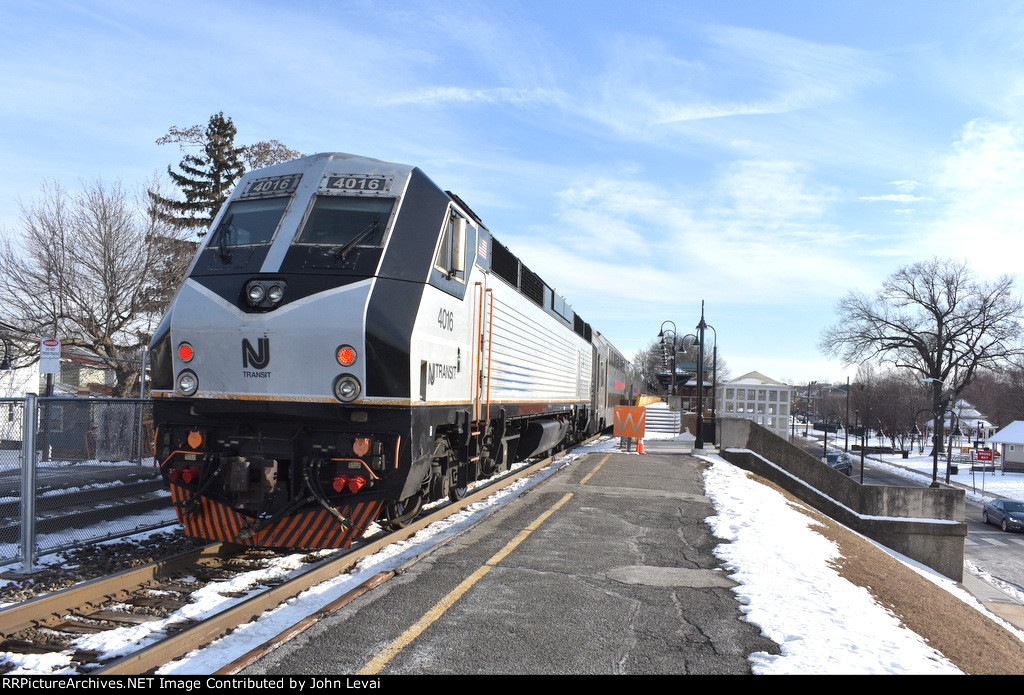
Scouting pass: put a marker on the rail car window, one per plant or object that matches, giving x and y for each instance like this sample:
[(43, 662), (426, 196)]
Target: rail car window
[(249, 223), (339, 220)]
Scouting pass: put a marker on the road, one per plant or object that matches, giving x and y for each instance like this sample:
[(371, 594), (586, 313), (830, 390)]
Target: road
[(987, 547)]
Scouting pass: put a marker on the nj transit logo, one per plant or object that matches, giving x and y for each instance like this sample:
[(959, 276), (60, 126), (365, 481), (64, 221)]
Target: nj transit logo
[(256, 358)]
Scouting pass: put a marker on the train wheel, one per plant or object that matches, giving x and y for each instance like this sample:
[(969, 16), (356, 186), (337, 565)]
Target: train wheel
[(455, 491), (442, 470), (402, 512)]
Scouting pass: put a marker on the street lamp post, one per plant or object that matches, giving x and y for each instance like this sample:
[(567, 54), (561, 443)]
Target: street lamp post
[(824, 447), (949, 453), (807, 409), (935, 441), (662, 335), (846, 424), (940, 418), (699, 443), (863, 441), (714, 376), (682, 344)]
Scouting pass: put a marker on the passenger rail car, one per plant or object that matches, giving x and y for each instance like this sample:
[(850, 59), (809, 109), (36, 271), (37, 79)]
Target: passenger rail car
[(349, 343)]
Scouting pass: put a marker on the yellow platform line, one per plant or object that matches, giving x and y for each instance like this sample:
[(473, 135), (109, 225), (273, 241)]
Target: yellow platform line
[(381, 660), (375, 665)]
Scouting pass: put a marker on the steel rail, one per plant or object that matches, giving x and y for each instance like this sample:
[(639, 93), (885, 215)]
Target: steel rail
[(177, 645), (42, 609)]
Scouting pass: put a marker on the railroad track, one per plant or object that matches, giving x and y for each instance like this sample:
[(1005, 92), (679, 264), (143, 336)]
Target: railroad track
[(152, 594), (83, 508)]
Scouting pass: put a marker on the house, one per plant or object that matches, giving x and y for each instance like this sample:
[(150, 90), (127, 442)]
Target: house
[(1011, 439), (759, 398), (81, 374)]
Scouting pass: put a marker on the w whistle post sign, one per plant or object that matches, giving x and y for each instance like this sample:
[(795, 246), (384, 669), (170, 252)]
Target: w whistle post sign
[(629, 422)]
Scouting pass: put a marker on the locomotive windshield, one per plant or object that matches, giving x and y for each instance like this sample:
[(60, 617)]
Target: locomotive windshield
[(341, 220), (249, 223)]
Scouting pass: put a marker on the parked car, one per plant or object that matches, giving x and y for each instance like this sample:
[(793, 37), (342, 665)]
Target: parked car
[(840, 461), (1007, 514)]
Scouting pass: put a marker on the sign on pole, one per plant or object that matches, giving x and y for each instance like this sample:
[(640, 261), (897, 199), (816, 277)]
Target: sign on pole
[(629, 422), (49, 356)]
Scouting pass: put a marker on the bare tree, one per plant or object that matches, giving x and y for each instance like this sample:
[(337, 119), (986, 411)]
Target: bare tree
[(268, 152), (85, 270), (647, 363), (897, 398), (999, 394), (934, 318)]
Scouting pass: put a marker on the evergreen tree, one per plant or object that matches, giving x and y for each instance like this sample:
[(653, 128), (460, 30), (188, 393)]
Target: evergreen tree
[(206, 179)]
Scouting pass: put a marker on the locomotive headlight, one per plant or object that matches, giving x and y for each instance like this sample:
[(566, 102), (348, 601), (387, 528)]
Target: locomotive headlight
[(264, 295), (346, 388), (346, 355), (188, 382), (255, 293)]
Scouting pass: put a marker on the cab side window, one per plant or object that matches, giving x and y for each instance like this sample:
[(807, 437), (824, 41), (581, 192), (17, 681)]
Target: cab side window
[(451, 253)]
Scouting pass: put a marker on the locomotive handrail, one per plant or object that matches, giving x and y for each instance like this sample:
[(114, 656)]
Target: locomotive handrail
[(479, 349), (490, 347)]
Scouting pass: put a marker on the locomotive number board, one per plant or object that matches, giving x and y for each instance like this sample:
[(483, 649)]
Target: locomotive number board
[(272, 186), (356, 183)]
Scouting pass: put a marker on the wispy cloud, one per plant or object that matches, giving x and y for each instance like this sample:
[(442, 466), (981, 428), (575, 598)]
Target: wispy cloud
[(893, 198), (462, 95), (648, 85), (763, 229)]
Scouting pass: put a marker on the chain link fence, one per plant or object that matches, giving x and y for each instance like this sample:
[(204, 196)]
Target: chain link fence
[(75, 471)]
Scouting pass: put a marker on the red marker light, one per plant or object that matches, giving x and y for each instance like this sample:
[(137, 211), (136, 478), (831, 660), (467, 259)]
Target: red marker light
[(346, 356), (185, 352)]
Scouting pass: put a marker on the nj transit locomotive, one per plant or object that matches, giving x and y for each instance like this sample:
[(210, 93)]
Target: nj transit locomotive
[(349, 343)]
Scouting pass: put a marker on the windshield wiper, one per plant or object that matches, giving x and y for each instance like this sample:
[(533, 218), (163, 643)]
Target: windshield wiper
[(342, 252), (223, 231)]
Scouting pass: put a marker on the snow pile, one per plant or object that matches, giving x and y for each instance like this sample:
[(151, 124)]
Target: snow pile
[(822, 622)]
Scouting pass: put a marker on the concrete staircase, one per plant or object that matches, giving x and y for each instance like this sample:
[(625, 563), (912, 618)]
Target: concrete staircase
[(659, 418)]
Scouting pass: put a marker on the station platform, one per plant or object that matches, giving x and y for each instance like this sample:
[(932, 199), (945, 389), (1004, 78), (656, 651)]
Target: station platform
[(604, 568)]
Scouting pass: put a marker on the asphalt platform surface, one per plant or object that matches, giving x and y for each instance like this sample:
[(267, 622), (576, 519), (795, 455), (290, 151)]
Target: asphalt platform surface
[(604, 568)]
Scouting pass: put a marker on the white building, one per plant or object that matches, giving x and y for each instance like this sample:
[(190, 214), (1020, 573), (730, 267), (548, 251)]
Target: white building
[(15, 383), (759, 398), (1011, 438)]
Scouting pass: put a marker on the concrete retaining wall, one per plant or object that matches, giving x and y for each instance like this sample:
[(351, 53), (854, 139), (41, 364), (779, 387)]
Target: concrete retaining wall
[(925, 524)]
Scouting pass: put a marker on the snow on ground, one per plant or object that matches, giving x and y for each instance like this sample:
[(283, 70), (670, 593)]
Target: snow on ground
[(980, 486), (822, 622)]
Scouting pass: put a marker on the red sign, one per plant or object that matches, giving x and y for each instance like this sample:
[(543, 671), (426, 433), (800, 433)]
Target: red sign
[(984, 455)]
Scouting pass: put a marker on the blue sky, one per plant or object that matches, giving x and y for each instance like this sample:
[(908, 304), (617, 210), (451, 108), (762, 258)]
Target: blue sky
[(763, 157)]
